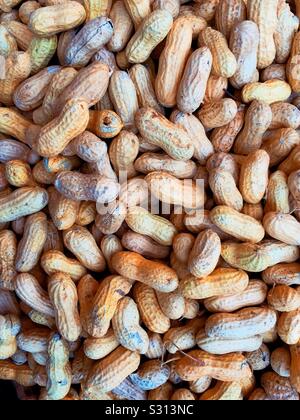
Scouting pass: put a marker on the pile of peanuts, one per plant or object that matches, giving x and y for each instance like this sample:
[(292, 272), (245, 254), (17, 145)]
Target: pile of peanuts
[(198, 104)]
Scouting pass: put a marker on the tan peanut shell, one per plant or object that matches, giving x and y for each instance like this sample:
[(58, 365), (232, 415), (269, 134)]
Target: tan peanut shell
[(270, 91), (218, 113), (54, 261), (225, 191), (273, 223), (281, 361), (97, 348), (278, 388), (223, 391)]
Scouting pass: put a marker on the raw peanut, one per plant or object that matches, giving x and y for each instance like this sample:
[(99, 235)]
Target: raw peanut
[(284, 298), (258, 257), (228, 14), (254, 294), (127, 390), (231, 367), (257, 12), (56, 87), (106, 57), (191, 309), (123, 95), (156, 347), (270, 91), (123, 152), (150, 375), (284, 115), (150, 312), (89, 84), (63, 211), (172, 304), (122, 61), (291, 163), (171, 6), (182, 394), (60, 163), (141, 78), (20, 32), (63, 295), (75, 185), (63, 41), (288, 274), (224, 189), (144, 245), (205, 254), (192, 87), (242, 324), (39, 318), (288, 326), (241, 226), (41, 175), (30, 93), (95, 8), (150, 162), (182, 338), (162, 393), (150, 33), (222, 281), (293, 184), (29, 291), (191, 15), (138, 10), (279, 143), (281, 361), (243, 43), (110, 244), (110, 291), (200, 385), (172, 61), (97, 348), (216, 345), (18, 174), (8, 251), (254, 176), (105, 123), (170, 190), (277, 387), (10, 328), (257, 120), (34, 339), (223, 161), (292, 71), (126, 326), (295, 353), (82, 244), (207, 8), (215, 88), (32, 243), (87, 288), (56, 135), (17, 69), (22, 202), (223, 391), (277, 194), (51, 20), (23, 375), (222, 138), (195, 130), (179, 267), (223, 61), (41, 50), (8, 44), (54, 261), (93, 36), (200, 220), (283, 227), (13, 124), (157, 130), (123, 27), (158, 228), (111, 221), (58, 369), (287, 26), (258, 359), (112, 370), (26, 10), (274, 71), (217, 114), (182, 246)]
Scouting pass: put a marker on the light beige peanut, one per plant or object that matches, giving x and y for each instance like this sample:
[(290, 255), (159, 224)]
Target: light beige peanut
[(292, 71), (182, 245), (87, 288), (110, 291), (97, 348), (200, 385), (54, 261), (288, 327), (222, 281), (257, 120), (273, 71), (138, 10), (123, 26), (259, 359), (123, 152), (254, 176), (150, 162), (19, 174), (150, 375), (215, 88), (284, 115), (202, 145), (182, 394), (277, 387), (192, 87), (270, 91), (279, 143), (182, 338), (158, 228), (224, 189), (281, 361), (293, 184), (110, 244), (10, 327), (219, 113), (281, 226), (34, 340), (254, 294), (277, 193), (8, 251), (156, 347), (284, 298), (287, 274), (144, 245), (125, 323), (172, 304), (287, 26), (157, 130), (224, 161), (172, 61), (8, 44)]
